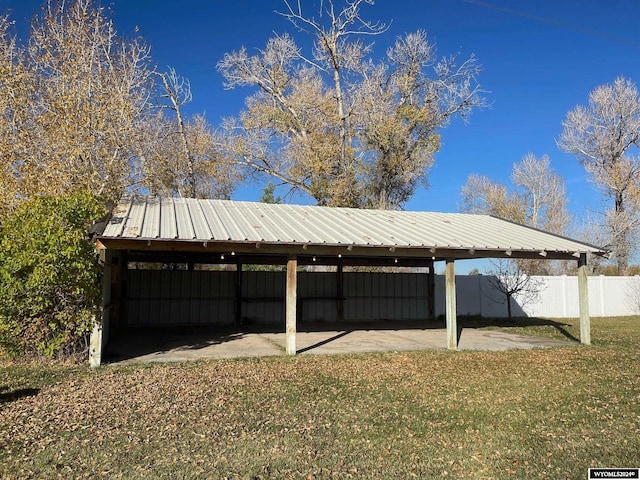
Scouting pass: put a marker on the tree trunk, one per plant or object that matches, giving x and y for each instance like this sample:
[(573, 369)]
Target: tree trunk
[(172, 88), (621, 236), (191, 179)]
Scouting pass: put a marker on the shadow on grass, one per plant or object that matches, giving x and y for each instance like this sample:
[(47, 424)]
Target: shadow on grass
[(516, 322), (13, 395)]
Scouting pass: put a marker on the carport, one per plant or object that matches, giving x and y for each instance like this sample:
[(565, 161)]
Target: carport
[(190, 232)]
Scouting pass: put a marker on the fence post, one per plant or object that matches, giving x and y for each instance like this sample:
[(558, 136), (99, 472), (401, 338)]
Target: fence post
[(603, 304)]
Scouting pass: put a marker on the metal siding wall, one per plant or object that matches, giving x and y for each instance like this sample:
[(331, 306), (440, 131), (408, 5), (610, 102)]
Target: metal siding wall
[(165, 297), (317, 296), (438, 293), (202, 314), (385, 296), (263, 297), (475, 296), (156, 297), (354, 286), (105, 319)]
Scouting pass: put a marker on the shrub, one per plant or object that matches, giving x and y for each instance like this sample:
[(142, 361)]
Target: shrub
[(49, 277)]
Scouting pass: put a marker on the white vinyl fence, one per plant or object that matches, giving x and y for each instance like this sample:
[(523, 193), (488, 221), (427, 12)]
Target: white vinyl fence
[(557, 297)]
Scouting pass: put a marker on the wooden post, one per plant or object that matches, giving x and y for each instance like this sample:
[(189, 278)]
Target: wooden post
[(291, 303), (452, 329), (583, 293), (95, 341), (100, 331), (340, 292)]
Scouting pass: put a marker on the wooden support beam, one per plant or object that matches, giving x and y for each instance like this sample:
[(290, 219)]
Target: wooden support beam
[(95, 341), (450, 285), (291, 304), (284, 249), (583, 293), (110, 298)]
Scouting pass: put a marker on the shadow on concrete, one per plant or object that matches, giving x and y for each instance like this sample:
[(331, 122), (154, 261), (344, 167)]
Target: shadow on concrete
[(481, 322), (325, 342), (132, 343)]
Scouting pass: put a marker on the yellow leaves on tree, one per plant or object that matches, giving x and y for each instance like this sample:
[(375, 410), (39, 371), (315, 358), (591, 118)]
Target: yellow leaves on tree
[(345, 129), (79, 111), (87, 90)]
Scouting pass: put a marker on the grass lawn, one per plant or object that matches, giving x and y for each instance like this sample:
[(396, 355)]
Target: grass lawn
[(431, 414)]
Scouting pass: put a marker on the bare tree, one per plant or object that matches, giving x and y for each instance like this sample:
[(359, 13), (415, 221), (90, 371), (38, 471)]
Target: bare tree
[(335, 124), (168, 170), (79, 110), (402, 110), (538, 199), (178, 92), (481, 195), (334, 55), (512, 281), (179, 154), (603, 136), (590, 229), (543, 192)]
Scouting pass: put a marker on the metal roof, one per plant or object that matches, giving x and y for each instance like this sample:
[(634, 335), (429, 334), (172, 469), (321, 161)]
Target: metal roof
[(195, 220)]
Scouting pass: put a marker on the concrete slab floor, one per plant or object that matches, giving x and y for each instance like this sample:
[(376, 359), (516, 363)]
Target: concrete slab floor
[(181, 344)]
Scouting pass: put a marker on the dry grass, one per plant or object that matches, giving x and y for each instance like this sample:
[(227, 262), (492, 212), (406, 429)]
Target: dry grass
[(515, 414)]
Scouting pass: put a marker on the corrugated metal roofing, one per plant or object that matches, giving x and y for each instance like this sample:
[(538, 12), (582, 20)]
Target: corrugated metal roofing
[(150, 218)]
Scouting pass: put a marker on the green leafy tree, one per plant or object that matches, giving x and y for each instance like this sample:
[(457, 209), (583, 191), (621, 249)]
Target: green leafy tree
[(49, 277), (268, 194)]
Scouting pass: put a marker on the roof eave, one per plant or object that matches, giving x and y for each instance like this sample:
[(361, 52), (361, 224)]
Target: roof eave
[(436, 252)]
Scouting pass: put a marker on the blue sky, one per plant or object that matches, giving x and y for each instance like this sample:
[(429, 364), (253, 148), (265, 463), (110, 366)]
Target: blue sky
[(541, 59)]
